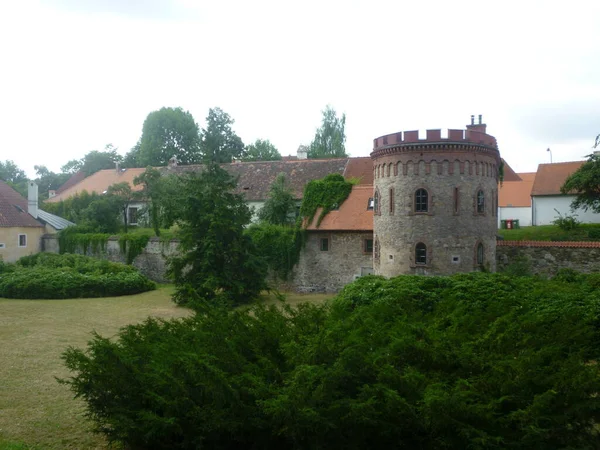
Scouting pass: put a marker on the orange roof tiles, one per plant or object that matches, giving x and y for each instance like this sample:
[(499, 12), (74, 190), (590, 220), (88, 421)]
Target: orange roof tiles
[(352, 215), (516, 193), (13, 209), (361, 168), (550, 177), (100, 182), (509, 173)]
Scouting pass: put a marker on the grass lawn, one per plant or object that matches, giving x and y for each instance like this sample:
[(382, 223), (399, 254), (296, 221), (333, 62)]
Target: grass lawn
[(35, 411), (584, 232)]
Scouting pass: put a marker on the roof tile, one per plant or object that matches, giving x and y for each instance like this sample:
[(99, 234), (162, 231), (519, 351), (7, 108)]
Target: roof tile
[(352, 215), (550, 177), (13, 209)]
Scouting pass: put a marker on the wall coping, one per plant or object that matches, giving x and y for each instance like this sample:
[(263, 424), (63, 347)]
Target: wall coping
[(556, 244)]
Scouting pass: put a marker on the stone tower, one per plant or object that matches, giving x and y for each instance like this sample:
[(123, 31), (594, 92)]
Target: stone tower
[(435, 201)]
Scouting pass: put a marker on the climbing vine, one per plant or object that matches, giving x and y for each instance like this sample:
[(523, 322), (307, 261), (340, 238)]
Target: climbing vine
[(71, 240), (327, 193), (278, 245), (132, 245)]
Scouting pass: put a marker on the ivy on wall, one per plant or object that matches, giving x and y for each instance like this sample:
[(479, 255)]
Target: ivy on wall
[(327, 193)]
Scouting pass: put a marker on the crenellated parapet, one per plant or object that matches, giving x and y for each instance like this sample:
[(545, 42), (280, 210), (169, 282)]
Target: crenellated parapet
[(438, 139)]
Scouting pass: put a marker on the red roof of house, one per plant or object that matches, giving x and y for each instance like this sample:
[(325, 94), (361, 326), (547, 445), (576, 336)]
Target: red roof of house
[(353, 214), (360, 168), (516, 193), (509, 173), (75, 178), (13, 209), (550, 177)]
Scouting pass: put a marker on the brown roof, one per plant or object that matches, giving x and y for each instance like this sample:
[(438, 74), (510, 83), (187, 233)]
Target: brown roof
[(509, 173), (255, 178), (75, 178), (361, 168), (516, 193), (100, 182), (13, 209), (353, 214), (550, 177)]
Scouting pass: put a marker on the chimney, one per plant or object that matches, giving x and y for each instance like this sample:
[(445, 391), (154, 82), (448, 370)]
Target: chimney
[(480, 127), (118, 167), (302, 152), (32, 199), (51, 193)]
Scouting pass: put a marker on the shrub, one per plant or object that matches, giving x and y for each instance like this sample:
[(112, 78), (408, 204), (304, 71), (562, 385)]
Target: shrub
[(51, 276), (278, 245), (469, 361), (566, 222)]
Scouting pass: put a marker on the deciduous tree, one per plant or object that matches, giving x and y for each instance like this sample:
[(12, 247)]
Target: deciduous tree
[(122, 195), (166, 133), (330, 138), (219, 143), (585, 182), (261, 150), (280, 207)]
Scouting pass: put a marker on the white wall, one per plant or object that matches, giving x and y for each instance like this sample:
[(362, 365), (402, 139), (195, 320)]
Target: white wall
[(544, 213), (522, 214)]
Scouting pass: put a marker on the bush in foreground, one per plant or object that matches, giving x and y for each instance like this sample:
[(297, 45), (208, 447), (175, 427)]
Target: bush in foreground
[(50, 276), (473, 361)]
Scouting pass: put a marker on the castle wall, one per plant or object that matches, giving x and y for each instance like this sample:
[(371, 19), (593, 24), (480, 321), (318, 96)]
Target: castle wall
[(329, 271), (452, 228)]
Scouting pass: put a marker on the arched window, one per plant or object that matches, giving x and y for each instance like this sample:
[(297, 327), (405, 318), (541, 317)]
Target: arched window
[(421, 253), (480, 254), (376, 202), (480, 202), (421, 198)]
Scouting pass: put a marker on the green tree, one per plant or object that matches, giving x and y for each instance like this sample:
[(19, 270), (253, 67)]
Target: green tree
[(14, 176), (71, 167), (280, 207), (94, 161), (261, 150), (153, 192), (585, 182), (46, 180), (330, 138), (219, 142), (166, 133), (101, 215), (122, 195), (217, 261)]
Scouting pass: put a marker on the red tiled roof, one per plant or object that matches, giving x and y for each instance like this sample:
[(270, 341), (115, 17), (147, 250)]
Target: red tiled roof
[(100, 182), (75, 178), (352, 215), (550, 177), (360, 168), (516, 193), (564, 244), (13, 209), (509, 173)]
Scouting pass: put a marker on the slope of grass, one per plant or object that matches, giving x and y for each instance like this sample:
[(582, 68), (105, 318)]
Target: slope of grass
[(35, 411), (584, 232)]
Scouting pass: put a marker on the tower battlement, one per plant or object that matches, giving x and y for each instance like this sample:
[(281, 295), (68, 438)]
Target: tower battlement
[(435, 136)]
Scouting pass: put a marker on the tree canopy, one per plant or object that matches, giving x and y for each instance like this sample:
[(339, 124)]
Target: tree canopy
[(330, 137), (94, 161), (166, 133), (585, 182), (217, 260), (280, 207), (46, 180), (261, 150), (219, 142)]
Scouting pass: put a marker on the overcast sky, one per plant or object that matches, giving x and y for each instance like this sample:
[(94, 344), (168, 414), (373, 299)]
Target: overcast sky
[(76, 75)]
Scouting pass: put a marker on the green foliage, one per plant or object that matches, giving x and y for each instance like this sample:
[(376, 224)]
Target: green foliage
[(501, 171), (566, 222), (217, 261), (79, 239), (279, 246), (166, 133), (585, 182), (261, 150), (330, 138), (219, 143), (280, 207), (132, 245), (151, 180), (519, 266), (14, 177), (47, 180), (582, 232), (328, 193), (478, 361), (51, 276)]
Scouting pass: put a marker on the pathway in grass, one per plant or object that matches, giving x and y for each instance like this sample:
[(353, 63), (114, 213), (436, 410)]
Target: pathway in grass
[(34, 408)]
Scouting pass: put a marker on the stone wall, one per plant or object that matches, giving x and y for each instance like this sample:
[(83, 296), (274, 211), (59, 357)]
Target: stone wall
[(547, 258), (152, 261), (330, 270)]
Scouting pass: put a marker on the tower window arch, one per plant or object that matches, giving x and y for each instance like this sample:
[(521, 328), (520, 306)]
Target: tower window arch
[(480, 202), (421, 200), (376, 202), (421, 253), (479, 255)]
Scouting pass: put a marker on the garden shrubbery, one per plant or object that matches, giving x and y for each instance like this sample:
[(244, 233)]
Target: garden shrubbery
[(52, 276), (473, 361)]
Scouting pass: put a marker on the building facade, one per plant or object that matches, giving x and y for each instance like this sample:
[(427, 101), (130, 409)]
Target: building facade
[(435, 202)]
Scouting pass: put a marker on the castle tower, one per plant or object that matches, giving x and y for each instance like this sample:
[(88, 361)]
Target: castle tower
[(435, 201)]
